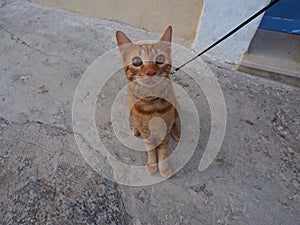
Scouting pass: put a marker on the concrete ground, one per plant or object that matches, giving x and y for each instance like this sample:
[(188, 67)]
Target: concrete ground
[(45, 180)]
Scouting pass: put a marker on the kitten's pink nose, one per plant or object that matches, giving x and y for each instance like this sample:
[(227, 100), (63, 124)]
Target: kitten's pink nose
[(151, 73)]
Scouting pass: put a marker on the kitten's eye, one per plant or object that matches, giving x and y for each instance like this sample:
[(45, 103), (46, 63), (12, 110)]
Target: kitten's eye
[(160, 59), (137, 61)]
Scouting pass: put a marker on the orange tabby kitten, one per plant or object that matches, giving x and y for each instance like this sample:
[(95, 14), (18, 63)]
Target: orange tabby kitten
[(150, 95)]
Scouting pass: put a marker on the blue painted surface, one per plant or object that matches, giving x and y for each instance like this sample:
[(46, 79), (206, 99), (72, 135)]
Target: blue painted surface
[(283, 17)]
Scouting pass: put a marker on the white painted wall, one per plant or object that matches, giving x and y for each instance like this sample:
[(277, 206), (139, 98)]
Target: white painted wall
[(221, 16)]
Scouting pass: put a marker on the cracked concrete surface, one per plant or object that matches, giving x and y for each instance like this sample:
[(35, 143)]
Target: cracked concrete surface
[(44, 179)]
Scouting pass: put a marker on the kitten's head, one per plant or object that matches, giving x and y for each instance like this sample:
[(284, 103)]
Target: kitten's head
[(146, 63)]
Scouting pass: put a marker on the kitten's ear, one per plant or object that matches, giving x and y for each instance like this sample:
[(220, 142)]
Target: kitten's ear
[(122, 39), (167, 36)]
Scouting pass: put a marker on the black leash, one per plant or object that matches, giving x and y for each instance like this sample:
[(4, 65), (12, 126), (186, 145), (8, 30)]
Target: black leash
[(229, 34)]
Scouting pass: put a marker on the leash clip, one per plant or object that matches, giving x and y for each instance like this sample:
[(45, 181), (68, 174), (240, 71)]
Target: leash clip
[(174, 70)]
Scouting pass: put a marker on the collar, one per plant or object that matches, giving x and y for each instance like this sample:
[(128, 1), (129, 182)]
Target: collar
[(144, 100)]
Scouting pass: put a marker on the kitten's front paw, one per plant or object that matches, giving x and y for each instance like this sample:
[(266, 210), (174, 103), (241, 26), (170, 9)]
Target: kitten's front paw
[(167, 173), (151, 169), (135, 131)]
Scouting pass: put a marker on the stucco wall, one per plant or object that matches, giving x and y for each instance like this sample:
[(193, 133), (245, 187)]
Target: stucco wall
[(152, 15), (221, 16), (201, 24)]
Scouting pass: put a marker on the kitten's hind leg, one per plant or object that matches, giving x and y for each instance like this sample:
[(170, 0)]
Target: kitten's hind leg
[(176, 131), (151, 165), (163, 165)]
